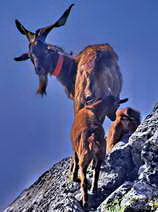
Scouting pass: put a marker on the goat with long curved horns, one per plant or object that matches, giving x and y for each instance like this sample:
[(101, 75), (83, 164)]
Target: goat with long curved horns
[(49, 58), (92, 74)]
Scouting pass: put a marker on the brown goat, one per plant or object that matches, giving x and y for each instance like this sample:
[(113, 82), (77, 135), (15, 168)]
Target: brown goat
[(97, 76), (127, 121), (87, 136)]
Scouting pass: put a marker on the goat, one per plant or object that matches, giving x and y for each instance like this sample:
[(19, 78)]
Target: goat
[(87, 136), (98, 75), (127, 121), (49, 59), (91, 74)]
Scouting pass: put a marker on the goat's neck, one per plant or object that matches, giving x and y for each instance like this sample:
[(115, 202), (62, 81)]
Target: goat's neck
[(67, 74), (98, 114)]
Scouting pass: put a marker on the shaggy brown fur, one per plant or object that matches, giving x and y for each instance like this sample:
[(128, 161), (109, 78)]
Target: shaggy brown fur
[(98, 75), (92, 74), (127, 121), (87, 138)]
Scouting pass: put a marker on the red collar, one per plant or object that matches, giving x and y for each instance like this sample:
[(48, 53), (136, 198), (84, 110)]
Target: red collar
[(59, 65)]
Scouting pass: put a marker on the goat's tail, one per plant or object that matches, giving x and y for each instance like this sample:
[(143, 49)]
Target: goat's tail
[(88, 142), (93, 143)]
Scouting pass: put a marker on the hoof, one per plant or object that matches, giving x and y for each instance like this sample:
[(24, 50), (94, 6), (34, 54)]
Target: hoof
[(84, 204)]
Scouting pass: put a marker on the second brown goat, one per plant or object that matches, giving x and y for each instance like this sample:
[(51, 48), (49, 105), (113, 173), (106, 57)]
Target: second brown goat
[(88, 143), (127, 121)]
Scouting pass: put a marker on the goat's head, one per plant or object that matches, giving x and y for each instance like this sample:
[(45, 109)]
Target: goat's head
[(38, 49), (106, 106), (133, 116), (114, 104)]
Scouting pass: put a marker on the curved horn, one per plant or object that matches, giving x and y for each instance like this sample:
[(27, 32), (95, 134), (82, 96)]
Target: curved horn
[(24, 31), (43, 32)]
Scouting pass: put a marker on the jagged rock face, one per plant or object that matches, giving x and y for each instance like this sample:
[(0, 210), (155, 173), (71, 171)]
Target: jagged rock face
[(128, 180)]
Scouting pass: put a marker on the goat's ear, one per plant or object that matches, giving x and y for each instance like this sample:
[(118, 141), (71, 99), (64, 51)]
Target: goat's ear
[(24, 56), (121, 101)]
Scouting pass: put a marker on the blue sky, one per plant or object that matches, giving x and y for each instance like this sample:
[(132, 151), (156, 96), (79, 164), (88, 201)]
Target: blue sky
[(35, 131)]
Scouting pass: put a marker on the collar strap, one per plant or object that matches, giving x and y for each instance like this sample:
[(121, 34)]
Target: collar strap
[(59, 65)]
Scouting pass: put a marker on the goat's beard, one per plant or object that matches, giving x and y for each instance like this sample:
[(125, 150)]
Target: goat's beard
[(42, 85)]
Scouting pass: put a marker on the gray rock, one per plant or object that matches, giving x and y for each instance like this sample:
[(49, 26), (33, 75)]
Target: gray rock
[(128, 180)]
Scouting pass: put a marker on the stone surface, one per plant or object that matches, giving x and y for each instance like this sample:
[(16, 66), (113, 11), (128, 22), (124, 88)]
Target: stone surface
[(128, 180)]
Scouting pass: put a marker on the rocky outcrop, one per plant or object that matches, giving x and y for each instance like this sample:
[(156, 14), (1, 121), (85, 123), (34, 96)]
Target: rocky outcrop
[(128, 179)]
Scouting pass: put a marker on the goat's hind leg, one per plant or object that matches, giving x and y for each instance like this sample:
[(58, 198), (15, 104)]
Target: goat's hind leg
[(96, 176), (84, 190), (75, 168)]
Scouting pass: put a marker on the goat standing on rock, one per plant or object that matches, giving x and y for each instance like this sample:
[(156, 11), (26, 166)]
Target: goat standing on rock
[(127, 121), (87, 136), (93, 73)]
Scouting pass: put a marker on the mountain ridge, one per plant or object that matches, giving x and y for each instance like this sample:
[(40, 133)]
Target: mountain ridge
[(128, 180)]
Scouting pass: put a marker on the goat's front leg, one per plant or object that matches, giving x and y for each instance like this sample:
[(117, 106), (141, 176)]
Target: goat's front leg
[(75, 168), (71, 165), (83, 170), (96, 176)]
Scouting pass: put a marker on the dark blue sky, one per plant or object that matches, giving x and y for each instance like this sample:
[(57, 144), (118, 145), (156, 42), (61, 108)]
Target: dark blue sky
[(35, 131)]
